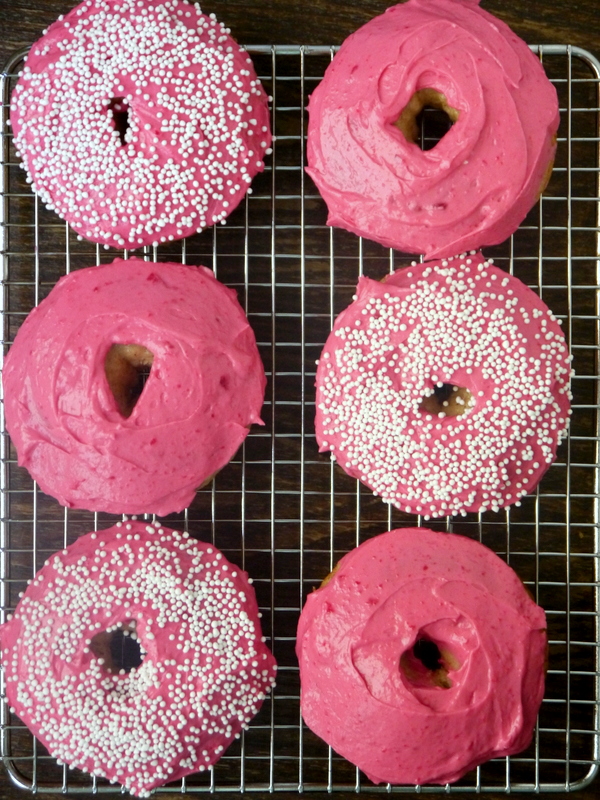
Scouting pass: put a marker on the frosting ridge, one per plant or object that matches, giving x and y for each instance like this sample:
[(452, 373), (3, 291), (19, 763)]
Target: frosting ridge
[(480, 180), (205, 388), (367, 695)]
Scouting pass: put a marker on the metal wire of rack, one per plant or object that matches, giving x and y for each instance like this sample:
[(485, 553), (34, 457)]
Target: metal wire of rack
[(286, 513)]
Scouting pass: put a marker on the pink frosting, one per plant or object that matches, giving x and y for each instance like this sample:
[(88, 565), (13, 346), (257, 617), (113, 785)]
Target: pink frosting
[(478, 183), (197, 114), (205, 671), (206, 386), (461, 322), (357, 633)]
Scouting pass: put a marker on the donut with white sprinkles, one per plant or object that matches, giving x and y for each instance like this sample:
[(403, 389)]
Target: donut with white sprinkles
[(139, 121), (194, 620), (445, 388)]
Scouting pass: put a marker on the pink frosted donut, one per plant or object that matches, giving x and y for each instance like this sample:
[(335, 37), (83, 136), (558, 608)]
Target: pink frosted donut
[(205, 669), (445, 388), (478, 183), (86, 426), (422, 657), (139, 122)]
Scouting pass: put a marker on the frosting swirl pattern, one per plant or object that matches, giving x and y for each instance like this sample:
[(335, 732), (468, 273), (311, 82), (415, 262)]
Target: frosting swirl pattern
[(478, 183), (421, 657), (205, 387)]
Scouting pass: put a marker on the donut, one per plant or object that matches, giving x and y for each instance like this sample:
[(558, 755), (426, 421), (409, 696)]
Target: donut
[(139, 122), (476, 185), (86, 425), (202, 671), (445, 389), (421, 658)]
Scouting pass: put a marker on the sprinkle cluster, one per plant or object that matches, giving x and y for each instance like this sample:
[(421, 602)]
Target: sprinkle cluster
[(198, 122), (463, 322), (204, 675)]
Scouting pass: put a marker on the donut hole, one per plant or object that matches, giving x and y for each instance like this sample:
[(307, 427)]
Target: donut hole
[(118, 649), (426, 118), (433, 124), (127, 368), (425, 665), (447, 399), (119, 109)]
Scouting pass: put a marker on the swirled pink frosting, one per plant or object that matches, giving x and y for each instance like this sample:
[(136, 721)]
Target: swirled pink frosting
[(460, 322), (478, 183), (206, 386), (367, 695), (204, 675), (198, 120)]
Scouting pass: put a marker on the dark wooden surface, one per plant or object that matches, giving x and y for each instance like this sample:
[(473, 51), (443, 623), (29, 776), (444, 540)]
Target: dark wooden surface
[(574, 22), (318, 22)]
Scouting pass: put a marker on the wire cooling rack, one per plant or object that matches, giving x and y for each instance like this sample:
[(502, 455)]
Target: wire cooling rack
[(286, 513)]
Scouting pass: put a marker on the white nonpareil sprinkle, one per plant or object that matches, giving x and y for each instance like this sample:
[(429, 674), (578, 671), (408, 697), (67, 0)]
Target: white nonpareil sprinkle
[(469, 325), (192, 102), (197, 686)]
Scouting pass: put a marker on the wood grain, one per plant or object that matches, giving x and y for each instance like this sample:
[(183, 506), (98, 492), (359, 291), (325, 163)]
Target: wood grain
[(280, 22)]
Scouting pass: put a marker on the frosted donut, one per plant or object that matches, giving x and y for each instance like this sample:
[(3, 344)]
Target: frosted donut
[(139, 123), (445, 389), (478, 183), (82, 420), (205, 668), (421, 658)]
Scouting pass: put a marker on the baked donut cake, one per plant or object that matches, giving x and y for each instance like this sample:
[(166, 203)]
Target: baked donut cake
[(139, 122), (86, 425), (202, 669), (445, 388), (477, 184), (422, 657)]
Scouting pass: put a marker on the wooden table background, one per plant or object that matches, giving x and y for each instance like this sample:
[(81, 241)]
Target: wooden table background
[(574, 22), (319, 22)]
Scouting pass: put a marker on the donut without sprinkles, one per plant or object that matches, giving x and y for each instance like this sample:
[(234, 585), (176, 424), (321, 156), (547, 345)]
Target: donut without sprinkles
[(82, 424), (476, 185), (422, 657), (459, 332), (139, 123), (205, 669)]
